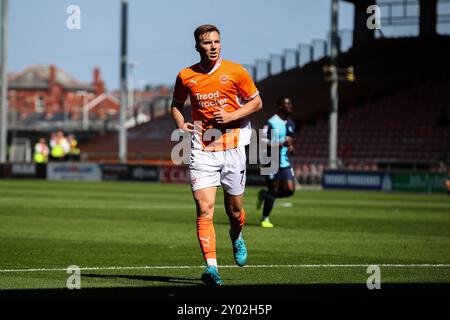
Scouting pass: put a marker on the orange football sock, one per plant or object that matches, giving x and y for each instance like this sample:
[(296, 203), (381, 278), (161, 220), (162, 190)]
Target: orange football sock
[(207, 238), (237, 224)]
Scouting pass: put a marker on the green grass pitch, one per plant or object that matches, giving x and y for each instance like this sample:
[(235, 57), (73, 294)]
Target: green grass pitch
[(143, 234)]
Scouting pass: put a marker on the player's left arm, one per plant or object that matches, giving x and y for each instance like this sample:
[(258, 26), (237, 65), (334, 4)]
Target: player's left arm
[(249, 107)]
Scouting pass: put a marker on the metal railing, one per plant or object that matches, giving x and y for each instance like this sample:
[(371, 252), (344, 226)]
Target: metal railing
[(291, 58)]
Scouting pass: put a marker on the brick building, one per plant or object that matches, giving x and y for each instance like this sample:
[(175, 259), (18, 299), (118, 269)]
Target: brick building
[(48, 92)]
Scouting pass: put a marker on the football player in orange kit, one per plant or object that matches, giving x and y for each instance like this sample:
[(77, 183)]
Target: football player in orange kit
[(222, 95)]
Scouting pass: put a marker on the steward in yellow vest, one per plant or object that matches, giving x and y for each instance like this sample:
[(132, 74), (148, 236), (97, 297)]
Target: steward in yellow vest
[(41, 151)]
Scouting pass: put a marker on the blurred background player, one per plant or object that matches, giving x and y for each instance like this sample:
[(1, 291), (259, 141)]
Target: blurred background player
[(279, 130), (223, 95)]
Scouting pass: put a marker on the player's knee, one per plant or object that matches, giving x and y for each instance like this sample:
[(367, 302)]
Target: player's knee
[(234, 209), (289, 192), (237, 210), (204, 207)]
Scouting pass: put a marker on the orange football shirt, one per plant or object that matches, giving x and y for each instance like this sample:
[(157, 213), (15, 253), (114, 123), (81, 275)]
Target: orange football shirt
[(228, 85)]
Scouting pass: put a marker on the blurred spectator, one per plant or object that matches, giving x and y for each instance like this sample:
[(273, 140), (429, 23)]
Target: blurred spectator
[(52, 139), (59, 146), (321, 169), (314, 174), (305, 177), (41, 151), (74, 152)]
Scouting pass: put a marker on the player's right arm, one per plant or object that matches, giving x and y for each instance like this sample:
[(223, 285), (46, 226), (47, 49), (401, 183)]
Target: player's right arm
[(178, 117), (179, 97)]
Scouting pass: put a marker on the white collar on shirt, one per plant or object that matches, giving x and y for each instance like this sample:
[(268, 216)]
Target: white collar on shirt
[(216, 66)]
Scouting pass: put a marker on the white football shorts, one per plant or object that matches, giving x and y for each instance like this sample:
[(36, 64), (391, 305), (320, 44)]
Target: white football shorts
[(215, 168)]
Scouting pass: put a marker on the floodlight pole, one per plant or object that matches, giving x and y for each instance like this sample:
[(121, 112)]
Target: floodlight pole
[(123, 83), (333, 135), (4, 82)]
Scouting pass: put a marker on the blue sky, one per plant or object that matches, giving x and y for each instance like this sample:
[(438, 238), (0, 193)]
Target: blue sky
[(160, 33)]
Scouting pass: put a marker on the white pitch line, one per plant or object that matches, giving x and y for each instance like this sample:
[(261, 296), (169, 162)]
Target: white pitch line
[(234, 266)]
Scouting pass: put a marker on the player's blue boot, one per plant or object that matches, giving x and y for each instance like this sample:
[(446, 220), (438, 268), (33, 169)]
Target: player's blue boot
[(260, 199), (239, 252), (212, 277)]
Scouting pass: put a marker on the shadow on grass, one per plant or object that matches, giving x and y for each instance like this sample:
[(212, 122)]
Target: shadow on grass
[(145, 278)]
